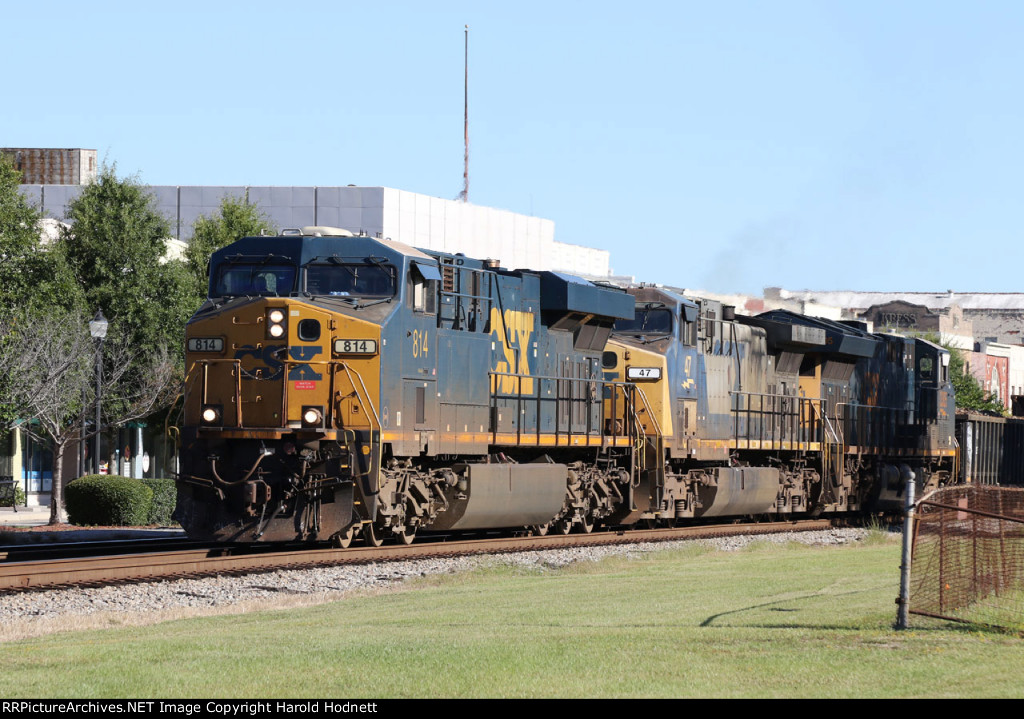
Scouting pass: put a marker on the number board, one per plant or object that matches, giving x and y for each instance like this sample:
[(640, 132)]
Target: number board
[(205, 344), (355, 347), (643, 373)]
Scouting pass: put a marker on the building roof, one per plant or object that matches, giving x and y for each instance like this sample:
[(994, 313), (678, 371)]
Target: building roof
[(850, 299)]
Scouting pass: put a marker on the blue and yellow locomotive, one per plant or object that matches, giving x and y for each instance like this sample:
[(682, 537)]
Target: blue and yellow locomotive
[(344, 386)]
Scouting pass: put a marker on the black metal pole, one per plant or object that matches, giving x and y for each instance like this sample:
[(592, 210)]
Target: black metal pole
[(82, 469), (99, 390)]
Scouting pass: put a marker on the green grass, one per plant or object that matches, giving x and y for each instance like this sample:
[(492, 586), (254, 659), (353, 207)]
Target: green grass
[(789, 621)]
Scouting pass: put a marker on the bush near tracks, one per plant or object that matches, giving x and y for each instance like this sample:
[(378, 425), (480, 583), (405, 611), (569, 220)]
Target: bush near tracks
[(101, 499), (165, 497)]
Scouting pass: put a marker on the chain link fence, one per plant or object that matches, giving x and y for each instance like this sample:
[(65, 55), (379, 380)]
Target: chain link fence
[(968, 556)]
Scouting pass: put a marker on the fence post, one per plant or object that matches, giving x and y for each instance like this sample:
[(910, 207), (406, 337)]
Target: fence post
[(903, 616)]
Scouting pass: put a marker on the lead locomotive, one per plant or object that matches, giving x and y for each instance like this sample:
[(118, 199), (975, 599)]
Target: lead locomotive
[(343, 386)]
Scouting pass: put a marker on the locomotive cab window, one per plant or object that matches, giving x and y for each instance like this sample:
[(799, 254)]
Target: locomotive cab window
[(689, 317), (235, 279), (424, 279), (647, 320), (349, 279), (926, 368)]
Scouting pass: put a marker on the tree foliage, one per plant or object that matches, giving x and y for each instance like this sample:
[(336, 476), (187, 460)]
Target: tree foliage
[(236, 218), (116, 250), (31, 274), (968, 390), (19, 237), (113, 259)]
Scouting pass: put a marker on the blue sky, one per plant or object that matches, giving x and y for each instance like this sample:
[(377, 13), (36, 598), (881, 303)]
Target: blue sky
[(727, 146)]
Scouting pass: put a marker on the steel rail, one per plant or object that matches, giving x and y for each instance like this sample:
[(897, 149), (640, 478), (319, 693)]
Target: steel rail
[(52, 573)]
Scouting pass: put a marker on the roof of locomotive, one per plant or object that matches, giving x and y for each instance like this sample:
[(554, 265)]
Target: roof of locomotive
[(307, 247), (560, 291), (839, 338), (648, 293)]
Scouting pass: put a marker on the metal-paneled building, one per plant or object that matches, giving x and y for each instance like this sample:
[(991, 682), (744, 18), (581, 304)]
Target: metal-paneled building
[(518, 241)]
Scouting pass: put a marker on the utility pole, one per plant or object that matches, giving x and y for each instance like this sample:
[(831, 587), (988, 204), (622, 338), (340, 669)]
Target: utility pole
[(464, 195)]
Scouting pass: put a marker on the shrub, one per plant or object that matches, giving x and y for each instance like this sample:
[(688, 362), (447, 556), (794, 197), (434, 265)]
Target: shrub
[(165, 497), (11, 495), (108, 500)]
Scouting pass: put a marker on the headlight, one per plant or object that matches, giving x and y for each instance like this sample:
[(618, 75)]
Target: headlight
[(275, 323), (312, 416), (211, 414)]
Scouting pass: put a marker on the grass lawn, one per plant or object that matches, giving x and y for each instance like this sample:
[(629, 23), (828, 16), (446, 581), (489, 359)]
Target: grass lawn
[(769, 621)]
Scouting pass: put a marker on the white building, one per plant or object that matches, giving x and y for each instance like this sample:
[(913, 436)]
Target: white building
[(517, 241)]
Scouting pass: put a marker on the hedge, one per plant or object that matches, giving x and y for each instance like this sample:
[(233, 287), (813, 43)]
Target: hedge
[(165, 497), (108, 500)]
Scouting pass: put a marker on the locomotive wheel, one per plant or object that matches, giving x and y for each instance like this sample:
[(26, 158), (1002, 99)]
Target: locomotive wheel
[(563, 526), (587, 525), (344, 539), (371, 535), (541, 530), (407, 535)]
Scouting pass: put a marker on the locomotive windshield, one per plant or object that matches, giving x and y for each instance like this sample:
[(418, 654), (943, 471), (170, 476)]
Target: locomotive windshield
[(647, 320), (347, 279), (236, 279)]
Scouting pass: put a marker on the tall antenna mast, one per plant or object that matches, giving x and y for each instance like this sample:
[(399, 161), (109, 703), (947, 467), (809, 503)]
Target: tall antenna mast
[(464, 195)]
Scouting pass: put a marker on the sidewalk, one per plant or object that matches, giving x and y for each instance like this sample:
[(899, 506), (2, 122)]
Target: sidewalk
[(24, 517), (40, 516)]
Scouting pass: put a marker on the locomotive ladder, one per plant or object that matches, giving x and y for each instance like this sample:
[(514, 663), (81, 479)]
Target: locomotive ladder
[(639, 438), (831, 447)]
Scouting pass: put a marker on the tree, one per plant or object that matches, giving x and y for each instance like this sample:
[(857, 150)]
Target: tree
[(30, 273), (968, 390), (116, 249), (19, 237), (236, 218), (52, 358)]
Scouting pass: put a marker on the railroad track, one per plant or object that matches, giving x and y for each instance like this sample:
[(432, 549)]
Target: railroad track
[(93, 548), (205, 561)]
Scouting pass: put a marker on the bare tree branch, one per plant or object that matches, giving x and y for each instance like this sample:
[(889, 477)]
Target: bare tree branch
[(49, 364)]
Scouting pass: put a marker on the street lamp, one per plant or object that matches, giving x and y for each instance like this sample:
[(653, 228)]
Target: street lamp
[(98, 330)]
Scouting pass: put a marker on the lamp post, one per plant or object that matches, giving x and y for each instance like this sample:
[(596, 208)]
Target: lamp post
[(98, 330)]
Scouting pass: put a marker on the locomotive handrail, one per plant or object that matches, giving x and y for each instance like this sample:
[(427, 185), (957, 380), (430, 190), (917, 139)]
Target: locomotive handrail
[(535, 394), (639, 454), (373, 411), (881, 432), (796, 413), (832, 451), (648, 409)]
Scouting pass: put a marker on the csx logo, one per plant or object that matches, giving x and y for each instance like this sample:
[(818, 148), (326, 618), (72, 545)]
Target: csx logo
[(272, 367), (513, 330)]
